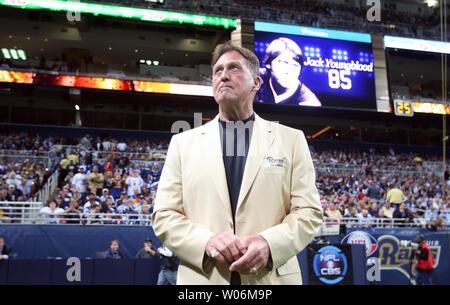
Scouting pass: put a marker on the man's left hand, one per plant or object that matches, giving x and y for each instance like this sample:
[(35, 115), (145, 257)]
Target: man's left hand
[(256, 257)]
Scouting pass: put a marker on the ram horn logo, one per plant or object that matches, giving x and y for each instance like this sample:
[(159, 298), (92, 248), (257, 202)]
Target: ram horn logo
[(361, 238)]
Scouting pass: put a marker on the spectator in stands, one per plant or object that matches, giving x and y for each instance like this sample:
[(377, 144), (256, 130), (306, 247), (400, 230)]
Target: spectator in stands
[(100, 168), (13, 178), (365, 219), (403, 213), (94, 218), (14, 194), (73, 212), (80, 180), (140, 202), (373, 192), (96, 180), (71, 167), (91, 200), (4, 250), (281, 70), (106, 195), (4, 216), (107, 206), (52, 213), (332, 212), (86, 142), (148, 251), (120, 200), (134, 183), (114, 252), (60, 203), (364, 203), (388, 210), (374, 209), (122, 146), (126, 208), (117, 184), (69, 178), (146, 215), (433, 217), (106, 144), (78, 196), (383, 221), (109, 167), (395, 196)]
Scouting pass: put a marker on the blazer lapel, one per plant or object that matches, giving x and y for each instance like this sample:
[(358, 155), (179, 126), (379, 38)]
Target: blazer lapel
[(260, 143), (213, 161)]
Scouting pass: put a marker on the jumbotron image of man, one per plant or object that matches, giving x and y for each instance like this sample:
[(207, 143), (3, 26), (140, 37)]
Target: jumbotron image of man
[(280, 73)]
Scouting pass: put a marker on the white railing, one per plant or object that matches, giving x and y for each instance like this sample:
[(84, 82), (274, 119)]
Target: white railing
[(43, 195), (33, 215), (332, 225), (135, 157), (346, 168), (19, 212)]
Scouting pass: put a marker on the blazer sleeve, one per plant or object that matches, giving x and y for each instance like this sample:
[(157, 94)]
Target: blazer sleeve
[(305, 217), (184, 237)]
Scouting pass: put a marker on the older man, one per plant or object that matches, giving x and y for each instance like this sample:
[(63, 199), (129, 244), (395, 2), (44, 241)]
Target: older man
[(237, 198)]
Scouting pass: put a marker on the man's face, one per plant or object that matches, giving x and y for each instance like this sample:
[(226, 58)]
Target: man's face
[(2, 243), (285, 70), (232, 80), (114, 246)]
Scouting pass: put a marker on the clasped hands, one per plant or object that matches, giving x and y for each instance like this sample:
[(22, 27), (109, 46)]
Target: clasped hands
[(246, 256)]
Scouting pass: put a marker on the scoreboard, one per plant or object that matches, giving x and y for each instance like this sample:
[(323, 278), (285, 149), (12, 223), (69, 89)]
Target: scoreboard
[(336, 66)]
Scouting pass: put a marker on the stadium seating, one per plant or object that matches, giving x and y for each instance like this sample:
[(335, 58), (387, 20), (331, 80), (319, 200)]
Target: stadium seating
[(346, 178)]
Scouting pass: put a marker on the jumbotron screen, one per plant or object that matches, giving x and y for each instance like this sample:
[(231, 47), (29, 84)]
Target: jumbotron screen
[(315, 67)]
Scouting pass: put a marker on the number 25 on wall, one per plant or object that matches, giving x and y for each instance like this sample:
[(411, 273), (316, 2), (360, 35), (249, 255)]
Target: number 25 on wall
[(403, 108)]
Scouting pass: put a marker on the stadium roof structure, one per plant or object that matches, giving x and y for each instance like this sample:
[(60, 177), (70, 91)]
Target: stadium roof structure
[(142, 14)]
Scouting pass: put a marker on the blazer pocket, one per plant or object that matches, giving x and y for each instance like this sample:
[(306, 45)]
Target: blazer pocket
[(291, 266)]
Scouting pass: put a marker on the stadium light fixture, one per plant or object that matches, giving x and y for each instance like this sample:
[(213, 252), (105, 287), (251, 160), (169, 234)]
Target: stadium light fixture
[(432, 3), (122, 12), (14, 53), (6, 54)]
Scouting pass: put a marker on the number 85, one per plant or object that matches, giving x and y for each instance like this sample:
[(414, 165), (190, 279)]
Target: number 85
[(338, 79)]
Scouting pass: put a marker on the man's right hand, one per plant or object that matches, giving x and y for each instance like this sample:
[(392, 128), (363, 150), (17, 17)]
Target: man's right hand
[(225, 247)]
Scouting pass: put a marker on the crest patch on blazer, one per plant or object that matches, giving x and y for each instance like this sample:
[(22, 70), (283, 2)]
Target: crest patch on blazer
[(275, 162)]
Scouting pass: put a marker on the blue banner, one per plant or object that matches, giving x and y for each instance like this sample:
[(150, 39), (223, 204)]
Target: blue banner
[(50, 241)]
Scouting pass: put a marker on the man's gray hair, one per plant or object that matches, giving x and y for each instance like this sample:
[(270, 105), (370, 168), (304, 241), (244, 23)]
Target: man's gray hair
[(252, 60)]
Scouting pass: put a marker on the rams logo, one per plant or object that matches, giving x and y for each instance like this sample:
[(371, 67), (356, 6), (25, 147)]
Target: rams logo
[(394, 257)]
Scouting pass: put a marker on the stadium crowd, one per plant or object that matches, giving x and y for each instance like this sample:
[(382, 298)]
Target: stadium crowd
[(101, 178), (366, 185), (110, 181), (24, 164)]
